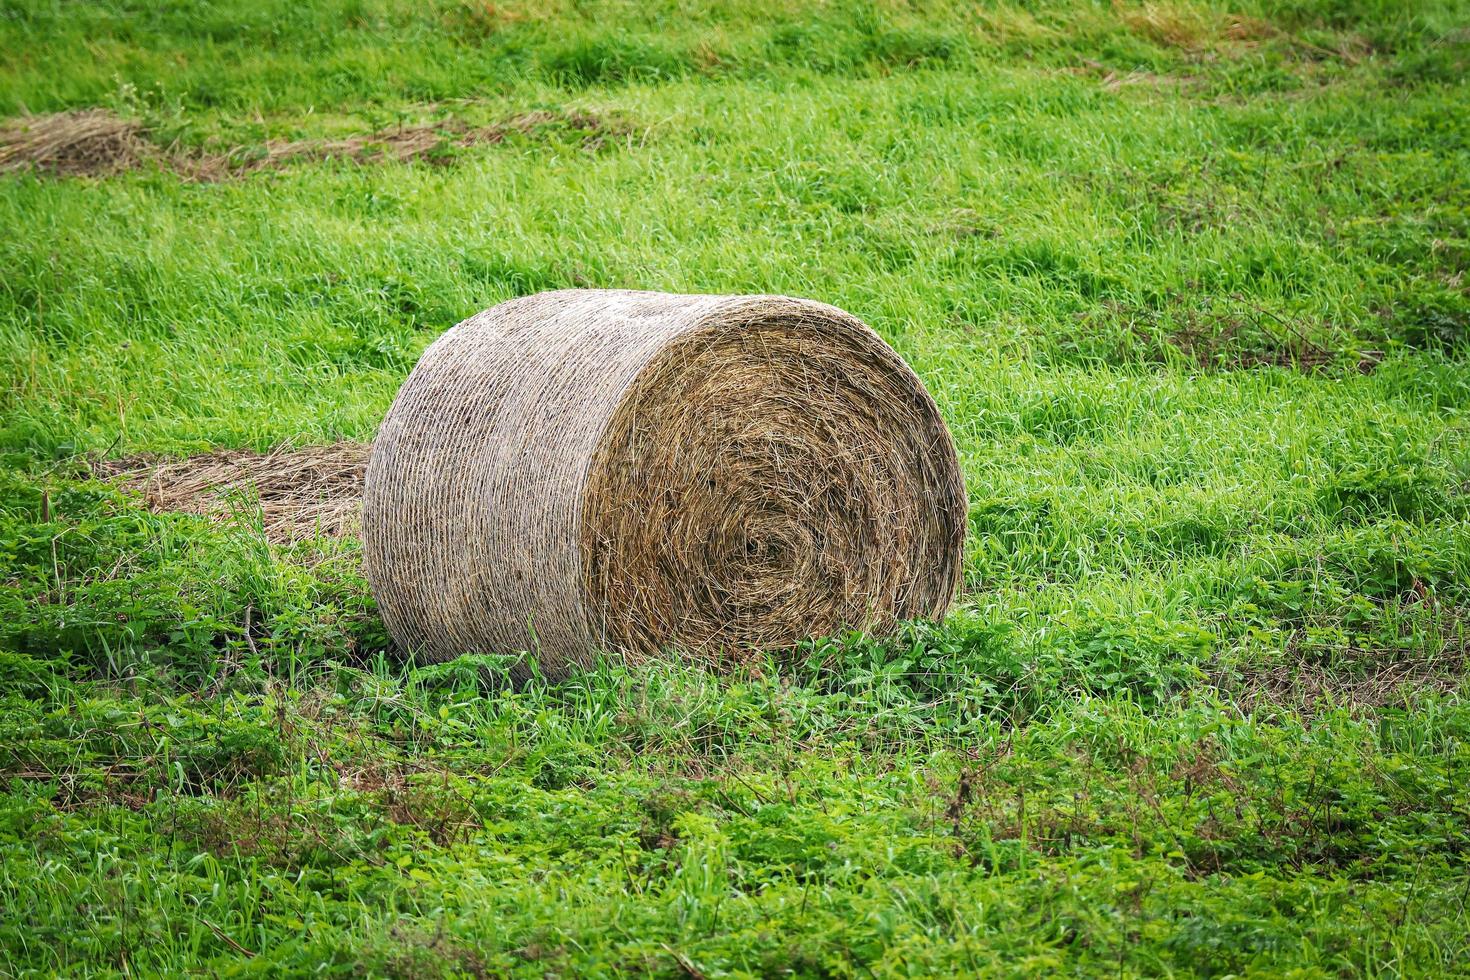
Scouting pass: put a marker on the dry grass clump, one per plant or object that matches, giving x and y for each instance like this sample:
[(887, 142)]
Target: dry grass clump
[(1005, 24), (1366, 678), (428, 142), (302, 492), (95, 142), (1191, 28), (1113, 80), (1310, 689), (1240, 337), (590, 469), (89, 142)]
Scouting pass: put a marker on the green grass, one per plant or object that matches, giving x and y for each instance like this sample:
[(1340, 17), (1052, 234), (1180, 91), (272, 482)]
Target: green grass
[(1188, 283)]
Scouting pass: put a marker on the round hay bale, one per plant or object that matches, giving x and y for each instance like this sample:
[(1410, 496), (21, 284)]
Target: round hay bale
[(633, 471)]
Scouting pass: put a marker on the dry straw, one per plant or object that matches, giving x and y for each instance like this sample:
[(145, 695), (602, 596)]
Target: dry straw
[(302, 493), (89, 141), (94, 142), (606, 469)]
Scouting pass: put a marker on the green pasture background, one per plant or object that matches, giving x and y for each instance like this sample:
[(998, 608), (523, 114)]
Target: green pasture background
[(1187, 281)]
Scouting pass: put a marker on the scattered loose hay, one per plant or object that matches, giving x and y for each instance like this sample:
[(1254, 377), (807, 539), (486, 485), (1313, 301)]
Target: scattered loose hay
[(429, 142), (1309, 689), (302, 493), (88, 142), (590, 469), (94, 142), (1240, 337)]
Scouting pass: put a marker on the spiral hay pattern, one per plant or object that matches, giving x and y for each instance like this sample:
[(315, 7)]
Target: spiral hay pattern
[(606, 469)]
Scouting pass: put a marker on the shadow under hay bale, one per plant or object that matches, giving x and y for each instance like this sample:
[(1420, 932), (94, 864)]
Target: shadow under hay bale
[(590, 469)]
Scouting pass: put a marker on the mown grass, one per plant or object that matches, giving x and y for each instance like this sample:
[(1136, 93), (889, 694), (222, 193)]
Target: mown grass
[(1188, 284)]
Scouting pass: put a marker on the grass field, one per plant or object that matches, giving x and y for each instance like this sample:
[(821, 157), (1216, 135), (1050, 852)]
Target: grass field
[(1187, 282)]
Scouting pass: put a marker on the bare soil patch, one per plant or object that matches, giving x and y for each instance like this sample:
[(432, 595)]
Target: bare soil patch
[(302, 493), (96, 143)]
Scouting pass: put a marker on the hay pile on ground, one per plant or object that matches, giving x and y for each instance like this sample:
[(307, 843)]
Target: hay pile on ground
[(95, 142), (302, 493), (419, 142), (86, 142), (592, 469)]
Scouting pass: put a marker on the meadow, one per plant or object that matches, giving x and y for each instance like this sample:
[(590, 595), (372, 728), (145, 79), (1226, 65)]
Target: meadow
[(1186, 279)]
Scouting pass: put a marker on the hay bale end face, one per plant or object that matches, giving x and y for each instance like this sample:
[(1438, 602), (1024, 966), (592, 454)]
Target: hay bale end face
[(606, 469)]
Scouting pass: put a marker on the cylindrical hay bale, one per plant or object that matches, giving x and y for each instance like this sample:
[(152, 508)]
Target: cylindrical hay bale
[(633, 471)]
